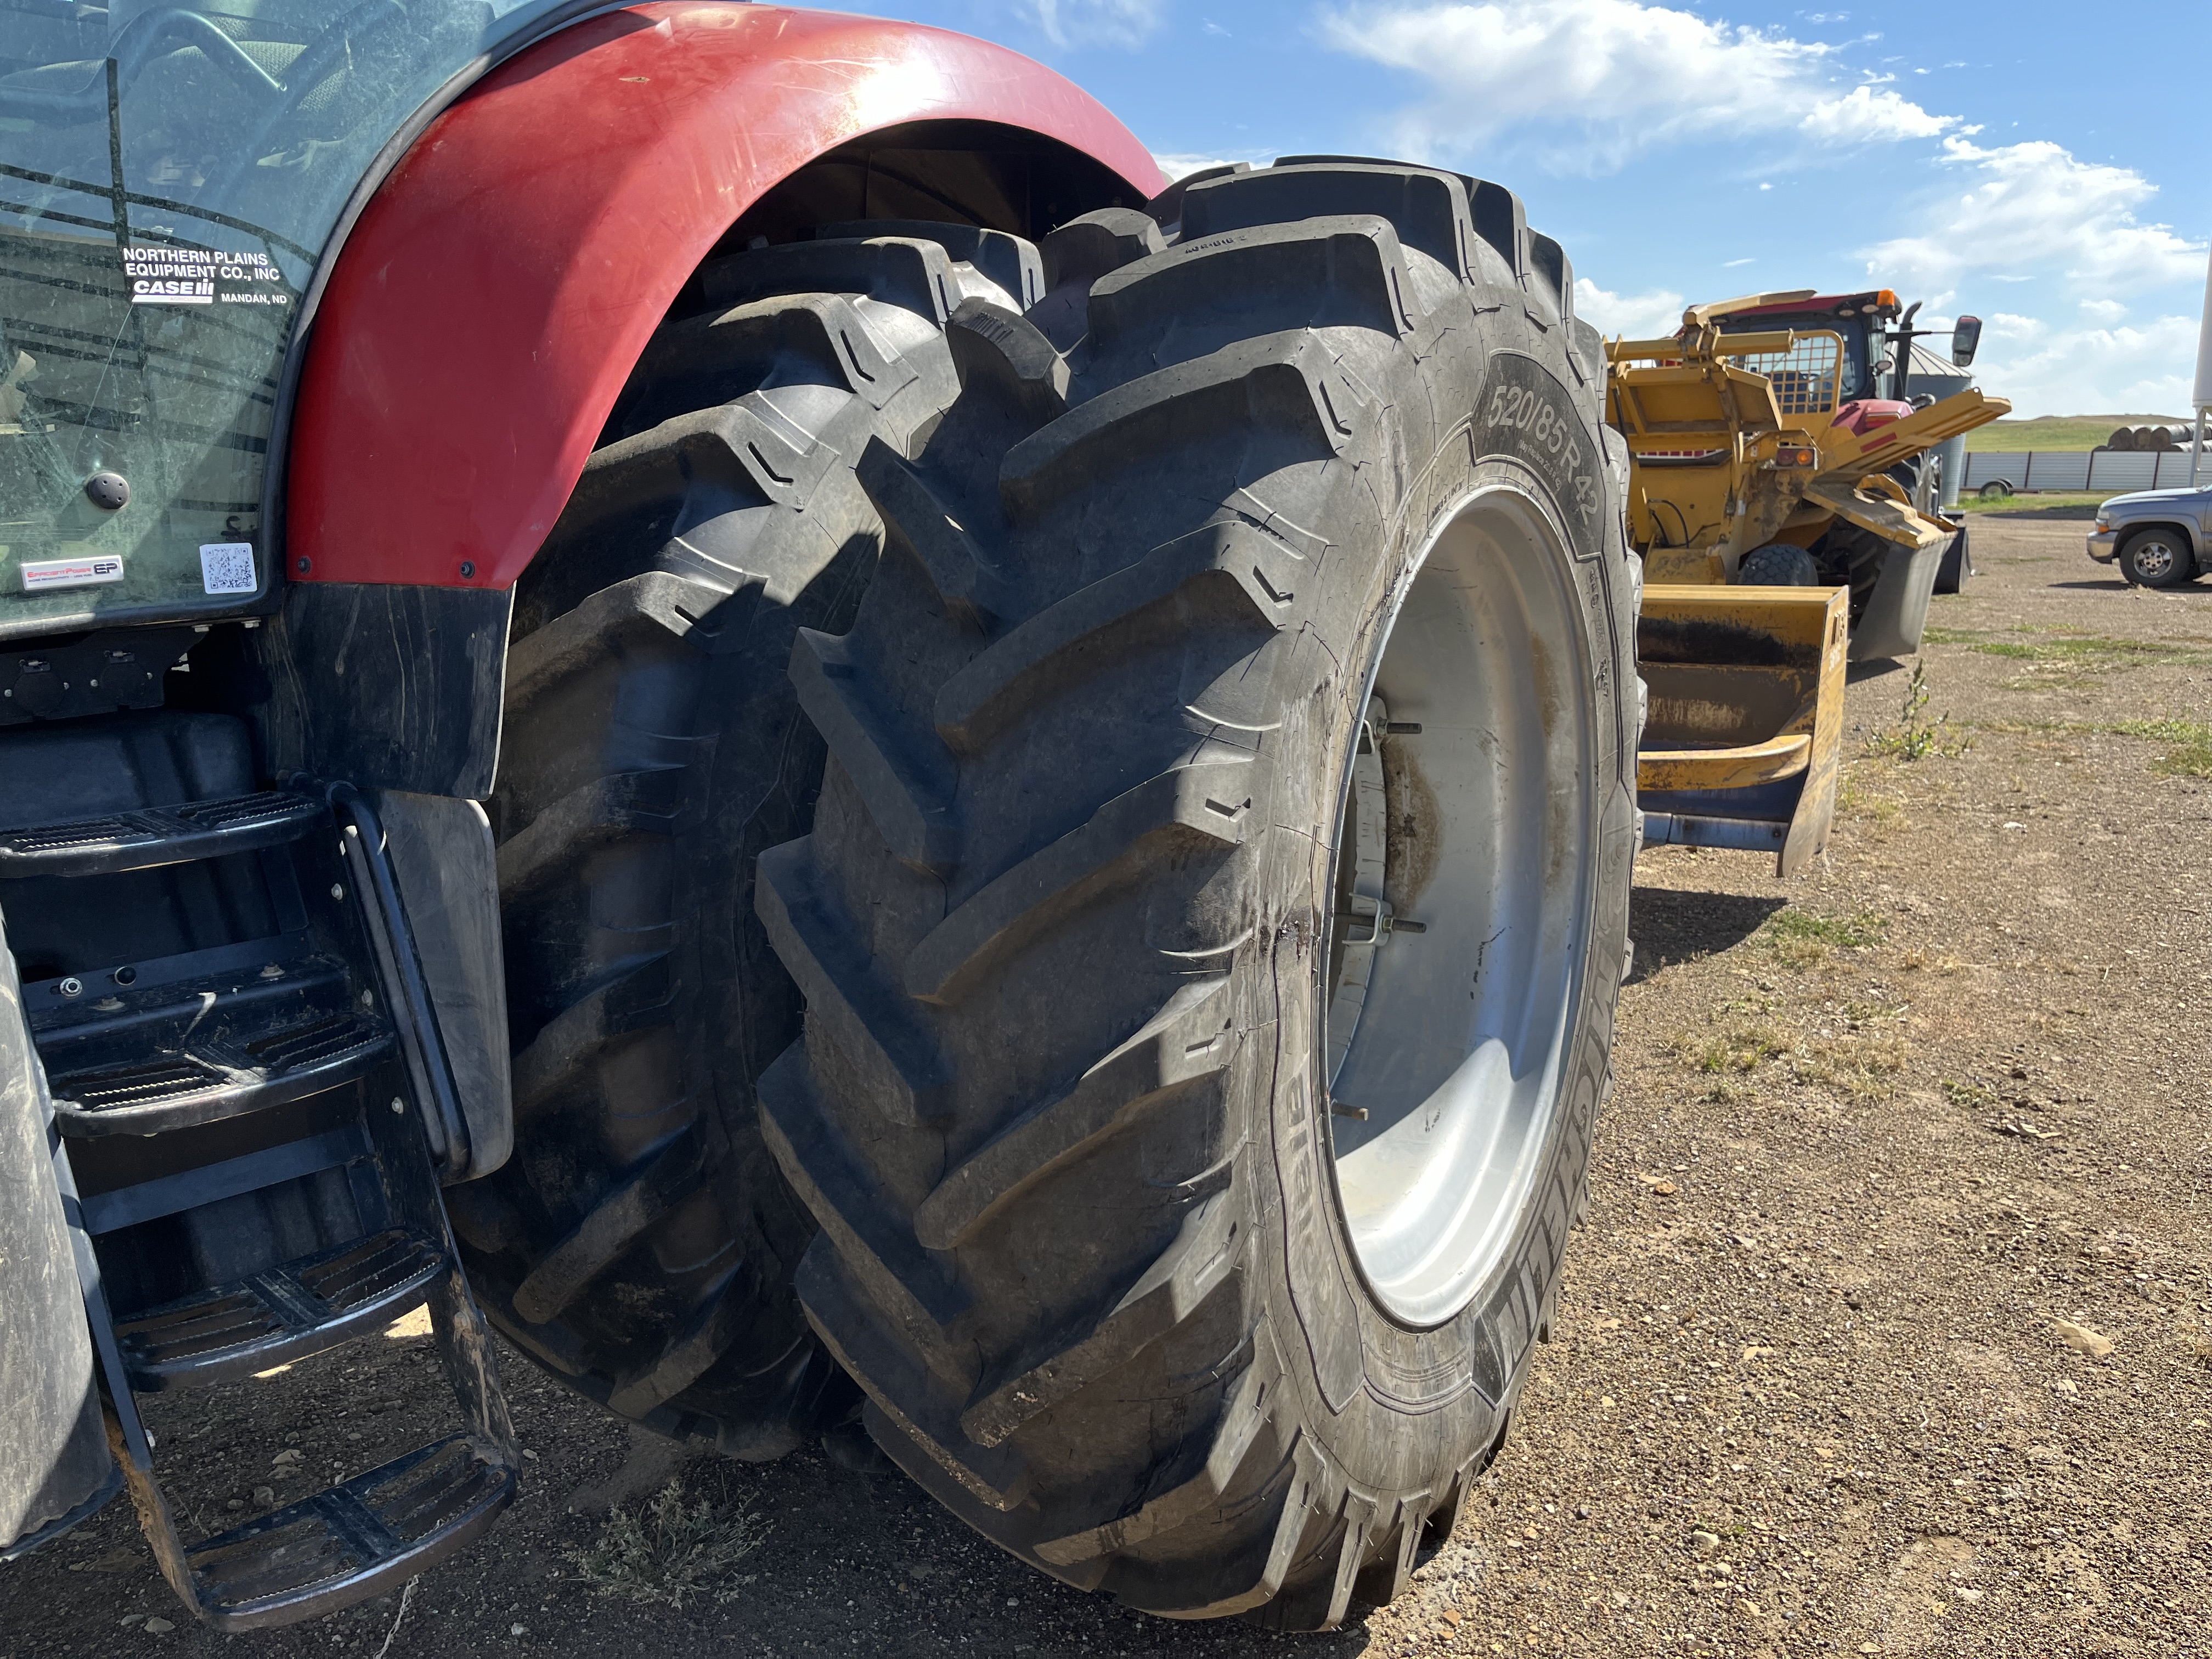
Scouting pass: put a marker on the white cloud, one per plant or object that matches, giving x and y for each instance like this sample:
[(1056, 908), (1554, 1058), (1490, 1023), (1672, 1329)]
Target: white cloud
[(1639, 316), (2034, 206), (1179, 166), (1731, 265), (1213, 28), (2077, 371), (1627, 75), (2105, 311), (1865, 116), (1098, 22)]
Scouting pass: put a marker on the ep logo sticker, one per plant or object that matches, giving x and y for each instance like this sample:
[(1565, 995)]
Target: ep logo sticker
[(89, 571), (1529, 416)]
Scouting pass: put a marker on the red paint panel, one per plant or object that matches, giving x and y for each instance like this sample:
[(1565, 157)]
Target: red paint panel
[(1827, 302), (1862, 415), (487, 307)]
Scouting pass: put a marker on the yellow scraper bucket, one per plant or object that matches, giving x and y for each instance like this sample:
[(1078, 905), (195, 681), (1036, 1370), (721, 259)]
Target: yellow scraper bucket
[(1740, 743)]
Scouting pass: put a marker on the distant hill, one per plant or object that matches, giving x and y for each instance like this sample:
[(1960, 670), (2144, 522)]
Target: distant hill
[(2063, 431)]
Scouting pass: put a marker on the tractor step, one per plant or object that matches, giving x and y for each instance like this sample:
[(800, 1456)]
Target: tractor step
[(146, 837), (142, 1062), (352, 1540), (251, 1111), (279, 1314)]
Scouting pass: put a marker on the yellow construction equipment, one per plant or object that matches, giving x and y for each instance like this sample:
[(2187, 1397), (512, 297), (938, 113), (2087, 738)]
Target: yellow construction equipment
[(1768, 494), (1740, 739)]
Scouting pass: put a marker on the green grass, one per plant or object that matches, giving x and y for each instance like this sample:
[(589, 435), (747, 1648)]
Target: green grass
[(2185, 746), (1871, 808), (2187, 743), (1800, 939), (2044, 504), (1980, 644), (1850, 932), (1741, 1047), (2060, 432), (2069, 648)]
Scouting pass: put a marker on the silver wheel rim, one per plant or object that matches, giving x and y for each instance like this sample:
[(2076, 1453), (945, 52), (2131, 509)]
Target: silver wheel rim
[(1462, 908), (2152, 559)]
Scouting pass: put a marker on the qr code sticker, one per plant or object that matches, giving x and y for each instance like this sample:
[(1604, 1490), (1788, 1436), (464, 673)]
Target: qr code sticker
[(227, 567)]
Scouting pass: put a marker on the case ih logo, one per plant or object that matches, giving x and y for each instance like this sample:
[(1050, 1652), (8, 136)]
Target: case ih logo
[(147, 291), (170, 276), (189, 276), (72, 572)]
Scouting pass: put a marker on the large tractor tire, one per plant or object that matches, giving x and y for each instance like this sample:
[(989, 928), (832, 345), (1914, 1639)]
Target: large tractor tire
[(1213, 919), (1851, 557), (640, 1242), (1957, 567)]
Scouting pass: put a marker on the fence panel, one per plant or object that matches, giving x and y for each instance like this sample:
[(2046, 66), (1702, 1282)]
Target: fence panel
[(1995, 466), (2113, 471), (2118, 469), (2050, 469), (2173, 470)]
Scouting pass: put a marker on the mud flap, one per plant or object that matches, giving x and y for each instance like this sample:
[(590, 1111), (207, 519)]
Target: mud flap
[(1897, 611), (1897, 608), (1740, 747), (442, 858)]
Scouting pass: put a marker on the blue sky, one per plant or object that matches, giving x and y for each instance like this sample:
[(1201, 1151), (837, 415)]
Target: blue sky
[(1994, 158)]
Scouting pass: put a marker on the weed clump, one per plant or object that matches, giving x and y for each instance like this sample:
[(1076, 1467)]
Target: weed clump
[(1917, 961), (1741, 1047), (1852, 1054), (671, 1551), (1880, 813), (1860, 1065), (1730, 1055), (1974, 1096), (1803, 939), (1914, 737)]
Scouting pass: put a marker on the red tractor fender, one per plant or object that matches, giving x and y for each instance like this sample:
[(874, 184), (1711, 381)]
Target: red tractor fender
[(498, 287)]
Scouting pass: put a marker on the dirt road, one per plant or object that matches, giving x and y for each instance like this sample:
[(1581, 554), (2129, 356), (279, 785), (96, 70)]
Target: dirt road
[(1890, 1332)]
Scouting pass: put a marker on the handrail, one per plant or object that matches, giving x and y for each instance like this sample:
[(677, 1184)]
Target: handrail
[(1676, 348)]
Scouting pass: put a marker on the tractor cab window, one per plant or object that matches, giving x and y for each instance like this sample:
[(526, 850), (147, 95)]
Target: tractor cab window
[(169, 175), (1862, 356)]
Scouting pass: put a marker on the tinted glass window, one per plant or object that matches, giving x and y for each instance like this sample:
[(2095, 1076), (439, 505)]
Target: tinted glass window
[(169, 175)]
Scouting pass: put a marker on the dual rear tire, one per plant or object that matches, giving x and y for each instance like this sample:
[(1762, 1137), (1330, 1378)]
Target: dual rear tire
[(1208, 930), (1188, 1219), (640, 1243)]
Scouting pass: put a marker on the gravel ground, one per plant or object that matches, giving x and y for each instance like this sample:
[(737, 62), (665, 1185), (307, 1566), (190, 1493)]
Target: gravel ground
[(1890, 1331)]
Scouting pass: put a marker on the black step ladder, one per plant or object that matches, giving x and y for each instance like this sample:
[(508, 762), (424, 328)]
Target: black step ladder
[(299, 1069)]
